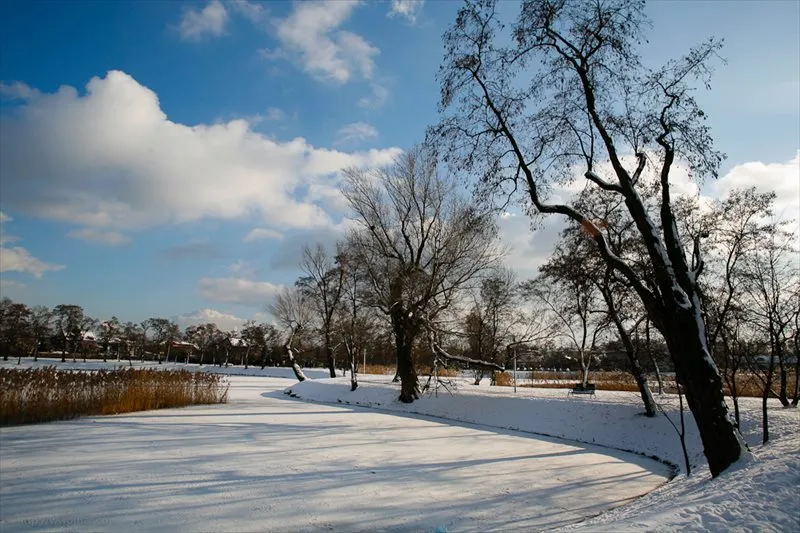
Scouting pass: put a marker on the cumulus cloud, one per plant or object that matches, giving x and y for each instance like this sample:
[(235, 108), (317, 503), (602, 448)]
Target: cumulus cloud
[(407, 9), (355, 133), (111, 160), (259, 234), (224, 321), (18, 259), (209, 22), (238, 290), (783, 178), (17, 91), (109, 238), (529, 249), (310, 36)]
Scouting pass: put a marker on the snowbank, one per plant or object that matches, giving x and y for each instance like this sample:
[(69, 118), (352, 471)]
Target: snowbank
[(757, 494)]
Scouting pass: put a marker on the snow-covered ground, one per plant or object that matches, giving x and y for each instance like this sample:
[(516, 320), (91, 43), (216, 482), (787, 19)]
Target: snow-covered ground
[(759, 494), (473, 460), (265, 462)]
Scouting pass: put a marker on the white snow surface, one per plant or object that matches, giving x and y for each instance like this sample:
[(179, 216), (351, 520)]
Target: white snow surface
[(759, 493), (471, 460)]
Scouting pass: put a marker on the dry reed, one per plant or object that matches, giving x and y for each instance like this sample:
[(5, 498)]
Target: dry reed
[(42, 394)]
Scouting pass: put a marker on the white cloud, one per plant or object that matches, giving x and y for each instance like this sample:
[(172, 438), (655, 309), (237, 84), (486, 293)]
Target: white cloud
[(355, 133), (255, 12), (210, 21), (379, 97), (18, 91), (111, 160), (5, 238), (258, 234), (224, 321), (110, 238), (782, 178), (18, 259), (273, 114), (310, 36), (529, 249), (9, 284), (238, 290), (408, 9)]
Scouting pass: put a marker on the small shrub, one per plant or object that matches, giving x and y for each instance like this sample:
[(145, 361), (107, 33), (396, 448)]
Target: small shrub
[(43, 394)]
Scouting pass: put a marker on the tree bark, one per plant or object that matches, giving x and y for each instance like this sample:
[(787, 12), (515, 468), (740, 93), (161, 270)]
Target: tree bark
[(329, 355), (701, 382), (409, 383)]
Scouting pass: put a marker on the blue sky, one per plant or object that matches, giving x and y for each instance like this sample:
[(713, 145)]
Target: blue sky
[(171, 158)]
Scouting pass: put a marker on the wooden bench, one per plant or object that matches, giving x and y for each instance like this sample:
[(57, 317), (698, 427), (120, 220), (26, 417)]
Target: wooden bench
[(579, 388)]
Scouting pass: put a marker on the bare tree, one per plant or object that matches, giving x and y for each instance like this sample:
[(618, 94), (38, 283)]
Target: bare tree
[(68, 319), (293, 311), (322, 283), (109, 332), (353, 323), (566, 290), (567, 95), (733, 229), (773, 290), (419, 243), (492, 321), (41, 325), (15, 331)]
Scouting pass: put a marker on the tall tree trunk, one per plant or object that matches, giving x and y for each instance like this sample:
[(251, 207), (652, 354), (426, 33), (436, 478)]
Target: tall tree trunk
[(684, 332), (404, 343), (329, 354), (636, 366), (584, 369), (409, 383)]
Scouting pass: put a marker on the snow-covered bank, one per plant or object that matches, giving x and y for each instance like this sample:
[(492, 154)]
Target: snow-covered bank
[(757, 495)]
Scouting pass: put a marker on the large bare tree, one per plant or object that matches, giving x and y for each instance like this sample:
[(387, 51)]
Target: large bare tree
[(322, 282), (419, 242), (568, 96)]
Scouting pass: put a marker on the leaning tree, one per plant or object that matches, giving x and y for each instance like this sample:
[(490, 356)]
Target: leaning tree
[(419, 242), (567, 96)]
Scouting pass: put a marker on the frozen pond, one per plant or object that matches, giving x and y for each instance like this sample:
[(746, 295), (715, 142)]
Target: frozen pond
[(265, 462)]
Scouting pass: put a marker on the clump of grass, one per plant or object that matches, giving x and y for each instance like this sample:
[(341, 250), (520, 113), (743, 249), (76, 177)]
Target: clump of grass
[(43, 394), (377, 370), (504, 379)]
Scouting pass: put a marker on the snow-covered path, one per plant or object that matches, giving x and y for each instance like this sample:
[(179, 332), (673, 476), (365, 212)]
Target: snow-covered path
[(265, 462)]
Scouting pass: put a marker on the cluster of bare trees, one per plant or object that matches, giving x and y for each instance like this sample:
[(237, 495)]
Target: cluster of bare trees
[(66, 329)]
